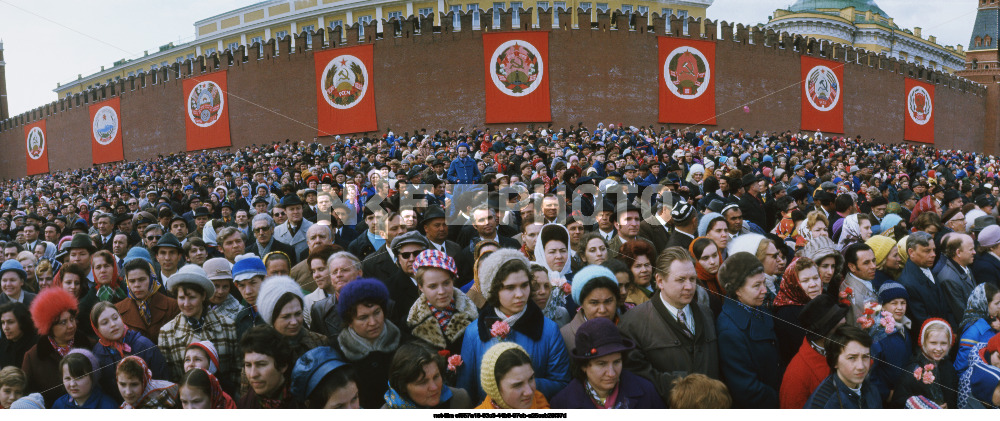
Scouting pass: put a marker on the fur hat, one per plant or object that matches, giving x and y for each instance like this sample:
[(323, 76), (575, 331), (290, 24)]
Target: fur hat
[(271, 291), (213, 354), (587, 274), (736, 269), (358, 290), (48, 306), (820, 248), (489, 267), (487, 373), (193, 275)]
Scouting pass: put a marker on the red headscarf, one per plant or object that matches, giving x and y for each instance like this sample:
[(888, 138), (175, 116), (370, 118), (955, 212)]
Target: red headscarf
[(790, 293), (220, 399), (924, 205), (711, 280), (123, 348)]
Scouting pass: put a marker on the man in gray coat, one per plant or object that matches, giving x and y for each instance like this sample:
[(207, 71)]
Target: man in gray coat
[(957, 281), (674, 336), (293, 231)]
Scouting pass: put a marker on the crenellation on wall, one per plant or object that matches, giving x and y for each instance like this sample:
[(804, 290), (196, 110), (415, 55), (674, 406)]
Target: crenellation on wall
[(711, 30), (584, 18), (757, 35), (603, 20), (726, 33), (742, 34), (620, 21), (676, 26)]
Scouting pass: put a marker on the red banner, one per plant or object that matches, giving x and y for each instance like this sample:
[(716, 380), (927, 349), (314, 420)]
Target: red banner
[(687, 82), (106, 131), (517, 78), (919, 113), (36, 147), (345, 90), (206, 111), (822, 95)]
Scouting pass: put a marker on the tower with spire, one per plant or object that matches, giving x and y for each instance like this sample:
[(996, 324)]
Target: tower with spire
[(4, 110), (982, 65)]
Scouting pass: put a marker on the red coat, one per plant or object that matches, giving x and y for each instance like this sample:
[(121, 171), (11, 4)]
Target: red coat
[(804, 374), (162, 309)]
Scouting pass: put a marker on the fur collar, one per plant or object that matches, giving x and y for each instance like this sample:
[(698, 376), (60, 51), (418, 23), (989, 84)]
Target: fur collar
[(532, 324), (425, 325)]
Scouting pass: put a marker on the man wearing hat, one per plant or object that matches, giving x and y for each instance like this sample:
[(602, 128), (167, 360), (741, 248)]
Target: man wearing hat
[(12, 282), (434, 226), (402, 283), (750, 202), (685, 226), (309, 210), (984, 206), (169, 253), (987, 264), (293, 231), (79, 250)]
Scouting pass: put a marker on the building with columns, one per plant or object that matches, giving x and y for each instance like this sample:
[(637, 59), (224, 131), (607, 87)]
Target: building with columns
[(863, 24), (280, 18)]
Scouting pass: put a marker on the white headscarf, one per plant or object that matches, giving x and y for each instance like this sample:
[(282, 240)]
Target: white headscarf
[(850, 232), (540, 251)]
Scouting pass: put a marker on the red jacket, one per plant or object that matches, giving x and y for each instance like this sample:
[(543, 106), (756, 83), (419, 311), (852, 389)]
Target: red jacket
[(804, 374)]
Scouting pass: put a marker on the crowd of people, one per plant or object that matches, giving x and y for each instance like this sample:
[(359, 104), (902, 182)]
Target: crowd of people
[(576, 268)]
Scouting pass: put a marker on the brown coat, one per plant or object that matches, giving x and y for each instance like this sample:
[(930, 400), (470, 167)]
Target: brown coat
[(41, 368), (663, 353), (568, 331), (161, 308)]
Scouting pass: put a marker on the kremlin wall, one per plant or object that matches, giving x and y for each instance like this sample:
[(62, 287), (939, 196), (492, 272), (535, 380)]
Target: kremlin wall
[(432, 77)]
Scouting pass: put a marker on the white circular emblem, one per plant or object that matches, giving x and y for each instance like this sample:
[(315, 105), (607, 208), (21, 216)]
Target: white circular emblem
[(517, 68), (35, 143), (822, 88), (345, 82), (205, 103), (919, 105), (686, 72), (105, 125)]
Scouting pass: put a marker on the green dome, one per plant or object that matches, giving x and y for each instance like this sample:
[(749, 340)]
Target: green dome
[(859, 5)]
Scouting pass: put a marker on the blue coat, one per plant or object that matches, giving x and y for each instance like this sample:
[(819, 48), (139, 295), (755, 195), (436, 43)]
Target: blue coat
[(97, 400), (748, 355), (987, 269), (888, 355), (463, 171), (926, 298), (980, 331), (536, 334), (834, 394), (634, 392), (108, 358)]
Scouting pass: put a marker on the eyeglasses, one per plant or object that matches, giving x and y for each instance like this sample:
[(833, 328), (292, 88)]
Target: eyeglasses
[(261, 229), (409, 255), (153, 237)]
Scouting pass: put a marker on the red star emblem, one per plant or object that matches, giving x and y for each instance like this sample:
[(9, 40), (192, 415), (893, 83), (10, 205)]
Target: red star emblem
[(343, 62)]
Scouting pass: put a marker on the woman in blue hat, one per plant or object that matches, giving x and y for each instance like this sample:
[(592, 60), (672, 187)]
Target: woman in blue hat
[(324, 379)]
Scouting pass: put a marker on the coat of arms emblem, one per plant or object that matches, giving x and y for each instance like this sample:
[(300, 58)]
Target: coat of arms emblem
[(105, 125), (205, 103), (35, 143), (516, 68), (822, 88), (686, 72), (345, 82), (919, 105)]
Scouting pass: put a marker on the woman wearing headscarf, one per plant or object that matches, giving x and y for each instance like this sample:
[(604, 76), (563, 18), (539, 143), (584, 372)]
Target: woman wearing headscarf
[(147, 307), (829, 261), (506, 375), (138, 389), (104, 268), (980, 322), (279, 302), (117, 341), (927, 204), (482, 249), (748, 348), (79, 377), (54, 313), (941, 386), (815, 225), (553, 252), (198, 389), (856, 229), (799, 285), (707, 260)]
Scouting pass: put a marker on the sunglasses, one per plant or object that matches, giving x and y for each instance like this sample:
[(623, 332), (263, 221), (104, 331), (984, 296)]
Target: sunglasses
[(153, 237), (410, 254)]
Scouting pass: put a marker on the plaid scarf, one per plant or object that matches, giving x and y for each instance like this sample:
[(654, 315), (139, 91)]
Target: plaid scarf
[(62, 350), (443, 315), (195, 323), (276, 403), (143, 304)]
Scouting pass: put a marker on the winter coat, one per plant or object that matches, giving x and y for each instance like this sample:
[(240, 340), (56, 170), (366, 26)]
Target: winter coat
[(748, 355), (41, 368), (96, 400), (804, 374), (832, 393), (463, 171), (177, 334), (424, 325), (568, 331), (634, 392), (956, 286), (108, 358), (980, 331), (943, 390), (926, 299), (663, 352), (12, 352), (790, 334), (862, 295), (372, 367), (298, 241), (889, 352), (987, 268), (161, 309), (537, 335)]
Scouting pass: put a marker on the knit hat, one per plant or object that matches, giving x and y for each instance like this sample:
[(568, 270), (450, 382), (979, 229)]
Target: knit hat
[(48, 306), (587, 274), (360, 289), (990, 236), (489, 267), (705, 220), (931, 322), (487, 372), (745, 243), (192, 275), (247, 266), (820, 248), (435, 259), (271, 291), (881, 246), (218, 268), (95, 369), (901, 248), (213, 354), (32, 401), (737, 268), (890, 291)]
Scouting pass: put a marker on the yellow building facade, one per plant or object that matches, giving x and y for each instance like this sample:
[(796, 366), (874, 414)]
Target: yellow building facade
[(863, 24), (280, 18)]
